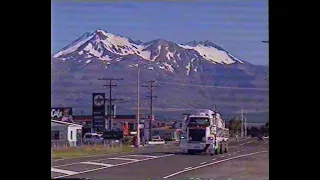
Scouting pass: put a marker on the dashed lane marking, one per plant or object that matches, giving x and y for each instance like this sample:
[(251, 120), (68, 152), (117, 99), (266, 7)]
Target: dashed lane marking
[(138, 155), (98, 164), (63, 171), (116, 165), (203, 162), (126, 159)]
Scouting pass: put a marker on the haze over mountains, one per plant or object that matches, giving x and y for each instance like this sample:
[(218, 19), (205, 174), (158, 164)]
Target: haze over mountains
[(179, 70)]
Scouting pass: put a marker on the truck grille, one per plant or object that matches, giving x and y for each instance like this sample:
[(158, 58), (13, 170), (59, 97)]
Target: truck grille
[(197, 134)]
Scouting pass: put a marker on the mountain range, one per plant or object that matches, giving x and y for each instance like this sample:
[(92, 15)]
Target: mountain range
[(197, 74)]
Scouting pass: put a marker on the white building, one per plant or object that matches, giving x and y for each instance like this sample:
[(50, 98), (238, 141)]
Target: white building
[(66, 132)]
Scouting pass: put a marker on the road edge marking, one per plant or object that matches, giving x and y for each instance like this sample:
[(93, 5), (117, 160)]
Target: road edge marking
[(216, 162)]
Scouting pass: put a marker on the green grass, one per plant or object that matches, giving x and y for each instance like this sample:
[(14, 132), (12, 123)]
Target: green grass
[(73, 152)]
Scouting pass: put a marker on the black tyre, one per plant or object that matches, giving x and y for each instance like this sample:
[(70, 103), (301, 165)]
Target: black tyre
[(216, 151)]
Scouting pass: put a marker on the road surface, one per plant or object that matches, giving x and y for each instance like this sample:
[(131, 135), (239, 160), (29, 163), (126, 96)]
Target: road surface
[(246, 159)]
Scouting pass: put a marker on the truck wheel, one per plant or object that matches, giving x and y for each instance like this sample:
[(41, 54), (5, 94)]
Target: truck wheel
[(226, 148), (191, 152), (216, 151)]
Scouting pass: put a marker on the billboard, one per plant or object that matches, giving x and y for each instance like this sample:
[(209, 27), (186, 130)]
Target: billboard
[(63, 114), (98, 111)]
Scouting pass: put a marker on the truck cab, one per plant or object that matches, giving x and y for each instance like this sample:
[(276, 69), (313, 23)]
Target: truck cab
[(203, 132)]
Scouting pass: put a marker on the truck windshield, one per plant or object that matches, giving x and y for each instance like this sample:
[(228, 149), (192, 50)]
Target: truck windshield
[(195, 121)]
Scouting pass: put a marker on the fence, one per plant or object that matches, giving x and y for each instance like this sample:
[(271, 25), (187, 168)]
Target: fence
[(60, 144)]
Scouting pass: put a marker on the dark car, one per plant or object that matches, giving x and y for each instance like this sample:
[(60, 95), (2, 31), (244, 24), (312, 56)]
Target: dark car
[(260, 138)]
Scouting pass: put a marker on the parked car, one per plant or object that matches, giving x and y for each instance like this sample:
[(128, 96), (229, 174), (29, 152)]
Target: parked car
[(92, 138), (260, 138), (156, 138)]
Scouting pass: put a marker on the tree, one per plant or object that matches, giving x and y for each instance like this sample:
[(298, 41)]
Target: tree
[(234, 126)]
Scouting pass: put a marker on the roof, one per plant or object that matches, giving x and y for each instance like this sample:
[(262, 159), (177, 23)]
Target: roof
[(65, 123)]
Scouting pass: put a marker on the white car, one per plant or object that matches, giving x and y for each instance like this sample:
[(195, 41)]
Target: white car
[(92, 138)]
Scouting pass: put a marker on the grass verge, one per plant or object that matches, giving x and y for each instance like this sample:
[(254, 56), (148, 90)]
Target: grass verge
[(73, 152)]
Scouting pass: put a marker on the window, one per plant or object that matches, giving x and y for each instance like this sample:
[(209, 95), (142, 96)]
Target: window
[(88, 136), (71, 135)]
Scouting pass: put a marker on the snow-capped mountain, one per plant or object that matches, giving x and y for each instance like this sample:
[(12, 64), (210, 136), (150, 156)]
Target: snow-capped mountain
[(76, 68), (107, 46)]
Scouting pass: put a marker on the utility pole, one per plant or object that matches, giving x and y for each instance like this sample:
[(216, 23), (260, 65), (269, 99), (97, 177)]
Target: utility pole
[(151, 86), (110, 85), (242, 121), (138, 107)]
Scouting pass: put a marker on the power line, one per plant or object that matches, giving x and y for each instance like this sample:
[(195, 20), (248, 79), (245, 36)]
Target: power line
[(218, 87)]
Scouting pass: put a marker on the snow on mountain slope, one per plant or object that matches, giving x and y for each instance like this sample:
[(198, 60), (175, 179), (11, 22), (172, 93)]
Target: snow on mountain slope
[(212, 54), (107, 46)]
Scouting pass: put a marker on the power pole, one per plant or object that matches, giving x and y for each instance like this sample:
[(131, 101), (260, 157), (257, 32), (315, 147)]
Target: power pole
[(151, 86), (242, 121), (138, 107), (110, 85)]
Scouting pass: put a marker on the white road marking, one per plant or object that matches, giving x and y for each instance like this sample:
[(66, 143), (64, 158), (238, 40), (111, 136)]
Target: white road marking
[(54, 160), (222, 156), (266, 142), (116, 165), (214, 159), (216, 162), (229, 154), (245, 143), (98, 164), (126, 159), (63, 171), (203, 162), (188, 168), (138, 155)]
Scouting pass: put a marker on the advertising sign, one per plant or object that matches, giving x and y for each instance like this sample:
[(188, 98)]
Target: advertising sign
[(98, 111), (63, 114)]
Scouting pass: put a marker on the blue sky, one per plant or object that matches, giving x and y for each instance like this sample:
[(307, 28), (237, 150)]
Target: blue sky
[(239, 26)]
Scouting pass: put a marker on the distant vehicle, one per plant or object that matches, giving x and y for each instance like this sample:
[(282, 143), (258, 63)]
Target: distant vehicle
[(92, 138), (156, 138), (260, 138)]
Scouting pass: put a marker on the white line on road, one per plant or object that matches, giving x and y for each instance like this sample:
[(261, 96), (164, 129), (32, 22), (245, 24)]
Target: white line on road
[(266, 142), (126, 159), (203, 162), (216, 162), (54, 160), (63, 171), (98, 164), (131, 162), (138, 155), (245, 143), (222, 156), (214, 159), (229, 154), (188, 168)]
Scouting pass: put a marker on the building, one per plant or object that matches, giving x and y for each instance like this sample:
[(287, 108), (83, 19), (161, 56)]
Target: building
[(117, 121), (64, 132)]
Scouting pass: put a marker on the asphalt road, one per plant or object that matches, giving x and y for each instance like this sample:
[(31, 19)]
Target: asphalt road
[(170, 164)]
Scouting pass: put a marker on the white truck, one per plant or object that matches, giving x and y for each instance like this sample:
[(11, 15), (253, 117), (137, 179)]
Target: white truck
[(204, 131)]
